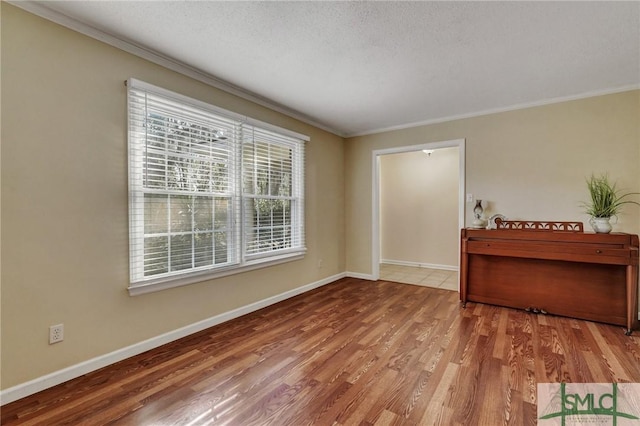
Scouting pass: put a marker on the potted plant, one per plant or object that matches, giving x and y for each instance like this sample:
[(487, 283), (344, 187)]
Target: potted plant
[(606, 201)]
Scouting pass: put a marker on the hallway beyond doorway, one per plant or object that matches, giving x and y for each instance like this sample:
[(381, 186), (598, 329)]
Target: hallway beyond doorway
[(426, 277)]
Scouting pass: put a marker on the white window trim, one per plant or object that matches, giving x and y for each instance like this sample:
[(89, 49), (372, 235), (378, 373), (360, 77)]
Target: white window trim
[(164, 283), (132, 82), (246, 262)]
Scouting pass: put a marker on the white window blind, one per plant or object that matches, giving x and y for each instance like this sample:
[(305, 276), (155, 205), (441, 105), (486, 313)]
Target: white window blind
[(272, 188), (209, 192)]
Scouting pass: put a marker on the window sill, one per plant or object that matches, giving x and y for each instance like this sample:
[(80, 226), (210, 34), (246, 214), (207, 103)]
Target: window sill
[(151, 286)]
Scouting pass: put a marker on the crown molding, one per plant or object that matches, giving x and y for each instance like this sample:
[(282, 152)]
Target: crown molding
[(515, 107), (40, 9)]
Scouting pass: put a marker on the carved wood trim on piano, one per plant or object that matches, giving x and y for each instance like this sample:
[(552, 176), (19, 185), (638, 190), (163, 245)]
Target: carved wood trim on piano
[(531, 225)]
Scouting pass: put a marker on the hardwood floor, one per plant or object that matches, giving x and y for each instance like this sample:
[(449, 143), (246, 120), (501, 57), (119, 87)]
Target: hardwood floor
[(353, 352)]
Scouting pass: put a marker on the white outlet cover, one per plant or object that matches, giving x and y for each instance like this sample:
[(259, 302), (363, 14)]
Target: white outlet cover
[(56, 333)]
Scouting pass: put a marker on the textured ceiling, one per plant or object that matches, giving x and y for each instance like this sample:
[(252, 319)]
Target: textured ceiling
[(360, 67)]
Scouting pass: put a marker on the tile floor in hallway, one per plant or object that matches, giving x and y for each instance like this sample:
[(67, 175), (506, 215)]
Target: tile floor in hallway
[(427, 277)]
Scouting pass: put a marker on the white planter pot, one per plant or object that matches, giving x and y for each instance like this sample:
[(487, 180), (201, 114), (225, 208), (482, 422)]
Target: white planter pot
[(601, 225)]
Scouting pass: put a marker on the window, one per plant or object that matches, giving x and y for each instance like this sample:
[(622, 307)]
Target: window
[(211, 192)]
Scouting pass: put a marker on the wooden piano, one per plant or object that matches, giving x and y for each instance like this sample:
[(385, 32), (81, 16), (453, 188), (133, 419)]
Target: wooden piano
[(554, 268)]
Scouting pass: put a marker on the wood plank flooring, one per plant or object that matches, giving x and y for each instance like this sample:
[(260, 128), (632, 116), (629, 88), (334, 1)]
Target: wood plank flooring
[(353, 352)]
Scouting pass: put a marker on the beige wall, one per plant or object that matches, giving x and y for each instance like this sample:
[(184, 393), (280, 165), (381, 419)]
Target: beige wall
[(64, 204), (419, 207), (64, 238), (529, 164)]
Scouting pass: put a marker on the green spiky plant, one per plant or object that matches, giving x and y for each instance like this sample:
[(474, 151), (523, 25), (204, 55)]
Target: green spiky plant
[(606, 199)]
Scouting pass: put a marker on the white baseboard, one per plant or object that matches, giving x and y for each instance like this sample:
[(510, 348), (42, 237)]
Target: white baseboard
[(61, 376), (368, 277), (420, 265)]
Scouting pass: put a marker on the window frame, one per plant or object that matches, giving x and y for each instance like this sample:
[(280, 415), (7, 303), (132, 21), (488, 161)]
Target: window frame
[(295, 198), (138, 283)]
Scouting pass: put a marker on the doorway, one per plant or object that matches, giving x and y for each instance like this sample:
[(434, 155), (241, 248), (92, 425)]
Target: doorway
[(412, 208)]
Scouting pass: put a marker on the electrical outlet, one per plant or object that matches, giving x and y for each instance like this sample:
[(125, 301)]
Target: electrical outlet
[(56, 333)]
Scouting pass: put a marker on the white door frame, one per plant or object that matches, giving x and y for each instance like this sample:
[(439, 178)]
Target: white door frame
[(375, 214)]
